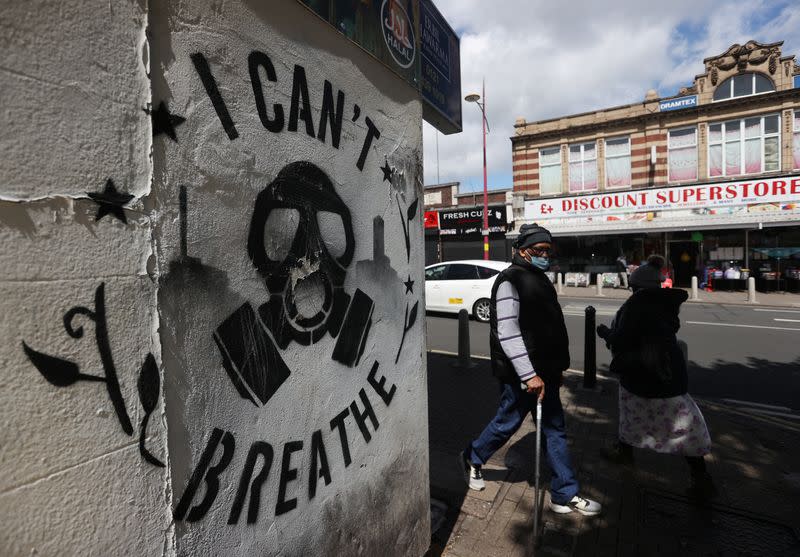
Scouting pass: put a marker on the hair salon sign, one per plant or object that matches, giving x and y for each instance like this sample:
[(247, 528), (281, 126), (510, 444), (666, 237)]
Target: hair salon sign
[(727, 194)]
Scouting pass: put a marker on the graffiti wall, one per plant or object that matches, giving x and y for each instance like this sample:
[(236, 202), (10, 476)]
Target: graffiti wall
[(213, 345)]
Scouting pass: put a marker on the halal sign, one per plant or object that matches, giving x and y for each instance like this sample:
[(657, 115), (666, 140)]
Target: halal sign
[(397, 32)]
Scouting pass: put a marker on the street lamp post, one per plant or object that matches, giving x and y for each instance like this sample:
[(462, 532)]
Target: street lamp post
[(476, 98)]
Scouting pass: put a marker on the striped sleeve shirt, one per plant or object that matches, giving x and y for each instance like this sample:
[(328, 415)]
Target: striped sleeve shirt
[(508, 331)]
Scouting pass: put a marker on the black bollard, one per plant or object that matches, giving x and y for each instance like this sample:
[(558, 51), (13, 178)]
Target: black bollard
[(464, 361), (589, 351)]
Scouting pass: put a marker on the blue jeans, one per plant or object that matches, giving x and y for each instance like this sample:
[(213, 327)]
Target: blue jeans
[(515, 404)]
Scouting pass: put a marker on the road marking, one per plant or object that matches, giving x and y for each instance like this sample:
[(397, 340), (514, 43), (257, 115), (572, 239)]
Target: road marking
[(743, 326), (757, 405), (787, 320), (773, 413), (448, 353), (779, 310)]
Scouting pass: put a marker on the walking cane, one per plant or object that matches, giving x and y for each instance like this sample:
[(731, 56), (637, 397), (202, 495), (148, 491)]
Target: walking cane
[(536, 473)]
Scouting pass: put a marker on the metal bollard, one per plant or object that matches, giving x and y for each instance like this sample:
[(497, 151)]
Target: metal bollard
[(694, 289), (590, 351), (600, 284), (751, 291), (560, 281), (464, 360)]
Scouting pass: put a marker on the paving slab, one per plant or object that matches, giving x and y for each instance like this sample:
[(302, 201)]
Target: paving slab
[(755, 462)]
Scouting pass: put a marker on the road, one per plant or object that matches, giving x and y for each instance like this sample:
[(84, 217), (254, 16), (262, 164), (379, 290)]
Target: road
[(738, 355)]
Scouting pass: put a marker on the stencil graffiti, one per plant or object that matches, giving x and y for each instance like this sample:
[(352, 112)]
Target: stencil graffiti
[(274, 118), (63, 373), (164, 122), (319, 467), (295, 267), (110, 201), (405, 220)]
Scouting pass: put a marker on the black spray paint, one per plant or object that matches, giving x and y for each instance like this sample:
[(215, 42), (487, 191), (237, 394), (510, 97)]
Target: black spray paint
[(148, 385), (300, 106), (210, 84), (250, 343), (208, 474), (63, 373), (264, 450), (110, 201), (165, 122), (319, 466), (405, 220), (408, 322)]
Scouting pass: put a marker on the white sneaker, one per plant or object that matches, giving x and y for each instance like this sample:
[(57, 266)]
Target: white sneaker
[(586, 507), (472, 473)]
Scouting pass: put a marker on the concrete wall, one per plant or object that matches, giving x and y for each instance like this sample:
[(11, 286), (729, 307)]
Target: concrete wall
[(212, 317)]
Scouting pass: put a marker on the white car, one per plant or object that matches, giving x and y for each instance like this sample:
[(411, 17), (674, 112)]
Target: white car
[(456, 285)]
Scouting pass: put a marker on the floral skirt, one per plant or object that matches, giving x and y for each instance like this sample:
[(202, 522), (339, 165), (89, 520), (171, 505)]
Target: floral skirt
[(667, 425)]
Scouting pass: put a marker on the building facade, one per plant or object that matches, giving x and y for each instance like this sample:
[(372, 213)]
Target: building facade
[(709, 177), (454, 221)]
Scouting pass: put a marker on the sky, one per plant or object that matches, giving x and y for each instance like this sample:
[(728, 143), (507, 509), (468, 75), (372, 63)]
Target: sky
[(544, 59)]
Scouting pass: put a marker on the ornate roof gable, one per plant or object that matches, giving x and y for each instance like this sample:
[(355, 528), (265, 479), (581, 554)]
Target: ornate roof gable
[(743, 57)]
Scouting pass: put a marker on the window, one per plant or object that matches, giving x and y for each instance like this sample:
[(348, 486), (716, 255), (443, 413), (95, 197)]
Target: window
[(682, 154), (743, 85), (582, 167), (435, 273), (459, 271), (486, 272), (618, 163), (746, 146), (550, 170), (796, 139)]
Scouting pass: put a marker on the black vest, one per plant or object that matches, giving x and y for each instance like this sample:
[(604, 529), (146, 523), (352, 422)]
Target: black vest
[(541, 322)]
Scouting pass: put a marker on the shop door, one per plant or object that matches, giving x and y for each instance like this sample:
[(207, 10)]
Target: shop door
[(683, 260)]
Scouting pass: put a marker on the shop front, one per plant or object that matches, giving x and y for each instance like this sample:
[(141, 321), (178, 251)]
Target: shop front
[(453, 234), (721, 233)]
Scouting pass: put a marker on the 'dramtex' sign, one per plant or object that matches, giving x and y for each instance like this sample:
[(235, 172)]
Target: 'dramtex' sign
[(677, 104), (727, 194)]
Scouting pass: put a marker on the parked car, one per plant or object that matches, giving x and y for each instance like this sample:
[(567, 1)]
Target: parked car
[(456, 285)]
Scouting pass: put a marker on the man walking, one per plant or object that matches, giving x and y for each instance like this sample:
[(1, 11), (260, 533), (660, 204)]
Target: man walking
[(530, 351)]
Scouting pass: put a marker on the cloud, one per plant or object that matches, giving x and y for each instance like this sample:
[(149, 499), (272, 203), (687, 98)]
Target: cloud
[(544, 59)]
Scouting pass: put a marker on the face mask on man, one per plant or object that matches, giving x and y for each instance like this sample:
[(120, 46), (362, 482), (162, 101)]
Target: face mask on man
[(541, 263)]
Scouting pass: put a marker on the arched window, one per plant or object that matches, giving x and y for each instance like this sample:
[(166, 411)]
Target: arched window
[(743, 85)]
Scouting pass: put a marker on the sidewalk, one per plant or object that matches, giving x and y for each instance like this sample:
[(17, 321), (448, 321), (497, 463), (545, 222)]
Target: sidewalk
[(755, 464), (771, 299)]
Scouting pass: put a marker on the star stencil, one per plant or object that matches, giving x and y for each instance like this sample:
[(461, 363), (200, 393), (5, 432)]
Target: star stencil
[(409, 284), (164, 122), (387, 172), (110, 202)]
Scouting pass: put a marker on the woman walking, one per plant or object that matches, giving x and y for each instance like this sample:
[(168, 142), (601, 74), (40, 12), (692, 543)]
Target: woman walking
[(655, 409)]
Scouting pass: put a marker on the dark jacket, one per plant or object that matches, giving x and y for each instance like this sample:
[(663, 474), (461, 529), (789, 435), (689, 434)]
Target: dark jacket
[(541, 324), (645, 349)]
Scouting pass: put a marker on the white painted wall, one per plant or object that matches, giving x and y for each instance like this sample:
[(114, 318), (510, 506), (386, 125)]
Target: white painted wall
[(72, 480)]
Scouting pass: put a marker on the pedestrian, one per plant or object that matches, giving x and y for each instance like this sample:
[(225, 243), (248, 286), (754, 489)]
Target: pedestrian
[(655, 409), (530, 351), (622, 269)]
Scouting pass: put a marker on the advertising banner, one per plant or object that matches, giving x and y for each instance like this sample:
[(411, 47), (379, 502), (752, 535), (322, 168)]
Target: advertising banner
[(703, 196), (470, 221), (431, 219)]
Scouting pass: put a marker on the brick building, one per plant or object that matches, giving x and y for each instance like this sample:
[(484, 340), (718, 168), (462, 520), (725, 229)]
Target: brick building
[(709, 177)]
